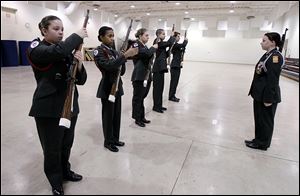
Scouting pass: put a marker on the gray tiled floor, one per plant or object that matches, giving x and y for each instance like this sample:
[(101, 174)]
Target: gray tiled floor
[(195, 147)]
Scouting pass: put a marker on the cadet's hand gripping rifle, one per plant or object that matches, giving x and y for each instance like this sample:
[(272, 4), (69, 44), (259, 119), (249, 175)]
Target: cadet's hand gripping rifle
[(182, 54), (114, 88), (151, 62), (65, 119), (170, 50)]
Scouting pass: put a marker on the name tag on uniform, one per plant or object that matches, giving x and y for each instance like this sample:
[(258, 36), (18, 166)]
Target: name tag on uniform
[(111, 57), (275, 59), (95, 52)]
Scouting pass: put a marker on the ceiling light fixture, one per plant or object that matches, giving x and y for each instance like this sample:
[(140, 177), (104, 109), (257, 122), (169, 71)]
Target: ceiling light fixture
[(177, 3), (96, 6), (132, 6), (232, 7)]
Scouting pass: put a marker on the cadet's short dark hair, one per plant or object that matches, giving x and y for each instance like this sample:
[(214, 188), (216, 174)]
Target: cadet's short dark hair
[(102, 31), (140, 32), (273, 36), (159, 31), (45, 22), (176, 33)]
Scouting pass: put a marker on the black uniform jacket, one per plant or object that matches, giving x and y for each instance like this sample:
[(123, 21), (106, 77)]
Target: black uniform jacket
[(265, 84), (109, 62), (160, 64), (141, 62), (50, 64), (177, 51)]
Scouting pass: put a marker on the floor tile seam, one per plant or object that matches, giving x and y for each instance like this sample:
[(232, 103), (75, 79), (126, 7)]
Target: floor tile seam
[(187, 154), (222, 146)]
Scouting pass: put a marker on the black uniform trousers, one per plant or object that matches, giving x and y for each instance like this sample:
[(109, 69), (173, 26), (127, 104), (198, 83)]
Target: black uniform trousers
[(264, 122), (56, 142), (139, 94), (158, 88), (175, 74), (111, 120)]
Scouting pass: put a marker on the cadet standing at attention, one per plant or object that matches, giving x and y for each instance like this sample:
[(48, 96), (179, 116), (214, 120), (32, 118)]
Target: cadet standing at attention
[(265, 91)]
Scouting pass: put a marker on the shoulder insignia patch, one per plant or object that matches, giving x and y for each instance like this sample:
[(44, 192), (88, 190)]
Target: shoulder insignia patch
[(275, 59), (34, 44)]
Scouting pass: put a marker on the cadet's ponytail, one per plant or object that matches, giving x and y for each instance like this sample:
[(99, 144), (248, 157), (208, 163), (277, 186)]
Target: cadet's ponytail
[(273, 36), (45, 22)]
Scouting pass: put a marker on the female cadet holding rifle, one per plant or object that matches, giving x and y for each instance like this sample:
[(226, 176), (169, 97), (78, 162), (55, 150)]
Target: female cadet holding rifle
[(109, 61), (51, 59), (141, 67)]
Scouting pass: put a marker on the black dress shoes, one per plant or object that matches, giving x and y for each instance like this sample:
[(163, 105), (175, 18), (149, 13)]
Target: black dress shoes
[(72, 176), (163, 108), (256, 146), (111, 147), (158, 110), (174, 99), (140, 123), (248, 141), (57, 191), (144, 120), (119, 143)]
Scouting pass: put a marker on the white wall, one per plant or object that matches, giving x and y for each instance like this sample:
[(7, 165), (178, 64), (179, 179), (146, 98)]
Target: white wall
[(231, 42), (212, 45), (206, 42), (13, 25), (290, 20), (230, 50)]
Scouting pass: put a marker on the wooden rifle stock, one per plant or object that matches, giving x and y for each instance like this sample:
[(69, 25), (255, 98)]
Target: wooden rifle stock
[(170, 50), (114, 88), (65, 119), (151, 62)]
